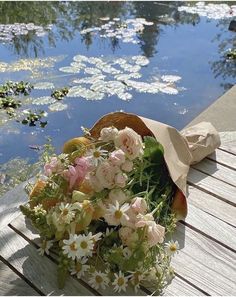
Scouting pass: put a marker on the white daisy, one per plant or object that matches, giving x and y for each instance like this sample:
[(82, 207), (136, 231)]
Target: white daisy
[(96, 155), (136, 278), (85, 245), (120, 283), (116, 214), (71, 246), (79, 268), (67, 214), (99, 280), (172, 247), (45, 246)]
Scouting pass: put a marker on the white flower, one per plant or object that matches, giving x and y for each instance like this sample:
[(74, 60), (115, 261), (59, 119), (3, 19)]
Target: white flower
[(126, 253), (108, 134), (137, 277), (71, 246), (85, 245), (39, 209), (120, 283), (96, 156), (67, 214), (99, 280), (130, 142), (79, 268), (172, 247), (79, 246), (115, 215), (45, 246)]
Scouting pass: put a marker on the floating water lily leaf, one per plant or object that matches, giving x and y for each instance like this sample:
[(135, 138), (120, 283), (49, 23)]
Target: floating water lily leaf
[(125, 96), (141, 60), (76, 91), (58, 106), (80, 58), (70, 69), (43, 100), (92, 71), (43, 86), (211, 10), (170, 78), (31, 65), (169, 90)]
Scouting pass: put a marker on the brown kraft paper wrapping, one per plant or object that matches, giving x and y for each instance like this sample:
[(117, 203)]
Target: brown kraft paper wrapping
[(180, 151)]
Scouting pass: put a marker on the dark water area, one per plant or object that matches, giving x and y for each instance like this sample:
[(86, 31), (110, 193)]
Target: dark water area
[(174, 43)]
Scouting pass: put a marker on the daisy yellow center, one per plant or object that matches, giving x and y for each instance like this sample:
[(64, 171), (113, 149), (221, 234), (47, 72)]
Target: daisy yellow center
[(120, 281), (65, 212), (96, 154), (173, 248), (84, 245), (73, 246), (78, 267), (118, 214), (98, 279)]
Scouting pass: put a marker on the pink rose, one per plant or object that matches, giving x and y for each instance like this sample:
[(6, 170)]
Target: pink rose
[(130, 142), (108, 134), (139, 205), (76, 174), (52, 167), (121, 179), (106, 174), (127, 166), (117, 157)]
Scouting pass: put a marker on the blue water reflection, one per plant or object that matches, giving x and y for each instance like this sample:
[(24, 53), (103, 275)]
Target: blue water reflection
[(177, 44)]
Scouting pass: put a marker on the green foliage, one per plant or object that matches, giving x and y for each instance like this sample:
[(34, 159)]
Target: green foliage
[(33, 117), (60, 94)]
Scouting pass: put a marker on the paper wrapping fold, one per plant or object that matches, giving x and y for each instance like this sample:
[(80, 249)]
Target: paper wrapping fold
[(202, 140), (180, 151)]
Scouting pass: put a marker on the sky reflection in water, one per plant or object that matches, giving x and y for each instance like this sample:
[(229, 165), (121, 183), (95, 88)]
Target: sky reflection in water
[(175, 43)]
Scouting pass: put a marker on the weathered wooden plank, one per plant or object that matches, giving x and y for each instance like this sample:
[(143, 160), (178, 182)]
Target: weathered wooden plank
[(217, 170), (212, 185), (228, 141), (212, 205), (9, 204), (12, 285), (223, 158), (177, 287), (211, 226), (40, 271), (205, 263), (23, 226)]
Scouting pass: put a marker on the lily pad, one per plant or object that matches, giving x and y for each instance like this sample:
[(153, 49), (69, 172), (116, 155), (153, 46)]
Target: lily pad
[(43, 100), (43, 86), (58, 106)]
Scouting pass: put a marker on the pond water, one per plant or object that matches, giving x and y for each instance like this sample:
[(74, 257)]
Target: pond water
[(152, 59)]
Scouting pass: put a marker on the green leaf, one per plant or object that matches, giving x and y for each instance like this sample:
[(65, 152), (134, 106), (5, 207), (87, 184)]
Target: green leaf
[(153, 151)]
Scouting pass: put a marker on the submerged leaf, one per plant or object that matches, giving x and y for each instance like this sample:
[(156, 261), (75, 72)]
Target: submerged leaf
[(58, 106)]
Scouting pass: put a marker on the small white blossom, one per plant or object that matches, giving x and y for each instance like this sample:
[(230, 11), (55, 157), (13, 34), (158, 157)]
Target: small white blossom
[(96, 156), (172, 247), (45, 246), (98, 280), (79, 268), (115, 214), (120, 283)]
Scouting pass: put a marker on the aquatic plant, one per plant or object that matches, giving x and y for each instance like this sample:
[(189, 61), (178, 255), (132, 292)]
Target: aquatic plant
[(32, 117), (60, 94)]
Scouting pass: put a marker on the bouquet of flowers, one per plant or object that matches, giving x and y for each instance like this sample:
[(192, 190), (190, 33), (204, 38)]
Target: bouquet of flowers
[(106, 206)]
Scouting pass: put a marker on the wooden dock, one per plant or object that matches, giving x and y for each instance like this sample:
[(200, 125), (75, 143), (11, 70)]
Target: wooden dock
[(205, 265)]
